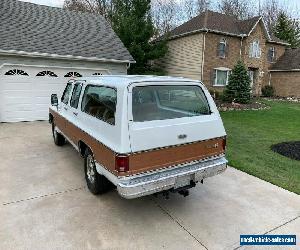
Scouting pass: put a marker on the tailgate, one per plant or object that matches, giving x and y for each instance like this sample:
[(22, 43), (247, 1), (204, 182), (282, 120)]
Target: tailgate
[(171, 156)]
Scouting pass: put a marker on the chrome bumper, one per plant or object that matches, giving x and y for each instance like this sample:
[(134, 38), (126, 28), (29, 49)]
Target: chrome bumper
[(145, 184)]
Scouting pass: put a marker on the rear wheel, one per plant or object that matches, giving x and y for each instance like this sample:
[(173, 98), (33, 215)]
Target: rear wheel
[(97, 183), (58, 138)]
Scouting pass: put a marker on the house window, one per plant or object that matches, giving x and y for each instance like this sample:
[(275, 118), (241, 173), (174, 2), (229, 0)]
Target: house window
[(73, 74), (222, 48), (47, 73), (271, 54), (255, 50), (221, 76), (15, 72)]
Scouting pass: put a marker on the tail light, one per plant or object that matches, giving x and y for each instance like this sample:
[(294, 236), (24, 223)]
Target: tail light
[(224, 142), (122, 163)]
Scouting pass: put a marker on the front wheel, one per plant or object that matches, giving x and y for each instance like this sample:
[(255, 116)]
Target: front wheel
[(97, 183), (58, 138)]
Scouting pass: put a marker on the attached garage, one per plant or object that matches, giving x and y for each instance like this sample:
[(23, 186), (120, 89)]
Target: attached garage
[(25, 91), (285, 74), (55, 45), (286, 84)]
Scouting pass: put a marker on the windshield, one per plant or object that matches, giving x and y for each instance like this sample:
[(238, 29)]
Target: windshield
[(168, 102)]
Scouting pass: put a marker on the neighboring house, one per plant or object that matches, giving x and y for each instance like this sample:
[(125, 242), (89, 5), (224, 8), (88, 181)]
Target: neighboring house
[(208, 46), (42, 47)]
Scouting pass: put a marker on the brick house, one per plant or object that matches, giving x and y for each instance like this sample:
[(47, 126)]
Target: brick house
[(208, 46)]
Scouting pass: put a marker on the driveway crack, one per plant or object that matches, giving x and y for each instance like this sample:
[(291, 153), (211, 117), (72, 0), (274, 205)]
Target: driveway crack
[(44, 195), (178, 223)]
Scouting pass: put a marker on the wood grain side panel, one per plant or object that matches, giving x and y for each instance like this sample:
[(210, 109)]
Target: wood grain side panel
[(59, 120), (166, 157), (103, 155)]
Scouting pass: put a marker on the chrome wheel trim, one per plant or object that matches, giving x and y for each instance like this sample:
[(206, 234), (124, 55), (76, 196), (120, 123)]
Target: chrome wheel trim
[(90, 170)]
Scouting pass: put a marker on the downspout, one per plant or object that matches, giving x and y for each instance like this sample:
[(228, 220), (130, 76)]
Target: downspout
[(203, 53), (204, 45), (241, 46)]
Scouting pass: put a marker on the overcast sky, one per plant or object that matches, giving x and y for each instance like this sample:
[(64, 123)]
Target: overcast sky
[(54, 3), (291, 4)]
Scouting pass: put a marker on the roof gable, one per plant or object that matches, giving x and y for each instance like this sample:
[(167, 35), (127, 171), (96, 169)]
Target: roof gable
[(220, 23), (37, 29)]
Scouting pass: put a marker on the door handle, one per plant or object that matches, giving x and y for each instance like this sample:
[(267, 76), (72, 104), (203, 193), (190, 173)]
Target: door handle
[(75, 113), (65, 108)]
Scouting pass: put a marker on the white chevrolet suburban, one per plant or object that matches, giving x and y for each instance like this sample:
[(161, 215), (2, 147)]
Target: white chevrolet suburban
[(142, 134)]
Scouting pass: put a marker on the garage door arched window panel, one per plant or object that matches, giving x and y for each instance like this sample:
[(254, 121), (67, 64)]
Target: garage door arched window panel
[(47, 73), (73, 74), (15, 72)]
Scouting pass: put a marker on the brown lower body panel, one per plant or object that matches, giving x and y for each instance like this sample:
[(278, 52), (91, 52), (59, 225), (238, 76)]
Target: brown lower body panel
[(179, 154), (102, 154), (142, 161)]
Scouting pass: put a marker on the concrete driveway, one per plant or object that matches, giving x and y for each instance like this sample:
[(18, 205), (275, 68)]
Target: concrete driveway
[(46, 205)]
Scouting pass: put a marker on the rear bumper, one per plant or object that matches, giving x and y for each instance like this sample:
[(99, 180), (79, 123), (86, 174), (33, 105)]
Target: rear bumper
[(145, 184)]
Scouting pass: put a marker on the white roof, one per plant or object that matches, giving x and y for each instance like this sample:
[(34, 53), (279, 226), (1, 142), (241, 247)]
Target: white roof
[(125, 80)]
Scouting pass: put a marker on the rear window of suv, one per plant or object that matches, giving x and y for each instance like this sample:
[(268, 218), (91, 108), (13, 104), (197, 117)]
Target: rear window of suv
[(168, 102)]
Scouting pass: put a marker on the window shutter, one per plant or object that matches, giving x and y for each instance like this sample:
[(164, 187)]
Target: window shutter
[(213, 77), (218, 50), (251, 50), (227, 50), (271, 55), (275, 56)]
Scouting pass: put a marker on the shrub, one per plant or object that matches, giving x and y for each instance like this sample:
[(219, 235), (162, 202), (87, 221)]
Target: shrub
[(238, 88), (268, 91), (217, 95)]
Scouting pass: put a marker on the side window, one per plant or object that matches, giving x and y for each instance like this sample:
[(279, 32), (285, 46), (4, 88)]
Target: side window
[(100, 102), (222, 46), (76, 95), (66, 96)]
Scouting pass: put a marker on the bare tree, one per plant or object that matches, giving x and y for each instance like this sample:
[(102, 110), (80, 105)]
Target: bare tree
[(240, 9), (192, 8), (165, 15), (102, 7), (202, 5), (270, 11)]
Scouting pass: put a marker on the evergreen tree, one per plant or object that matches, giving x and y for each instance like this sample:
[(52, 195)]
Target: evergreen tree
[(287, 30), (132, 22), (238, 88)]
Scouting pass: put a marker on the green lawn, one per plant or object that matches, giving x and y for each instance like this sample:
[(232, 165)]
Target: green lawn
[(250, 135)]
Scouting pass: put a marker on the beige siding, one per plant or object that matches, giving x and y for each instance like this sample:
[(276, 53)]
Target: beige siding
[(184, 57)]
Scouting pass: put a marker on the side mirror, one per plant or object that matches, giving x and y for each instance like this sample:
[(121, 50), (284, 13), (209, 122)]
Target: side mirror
[(54, 100)]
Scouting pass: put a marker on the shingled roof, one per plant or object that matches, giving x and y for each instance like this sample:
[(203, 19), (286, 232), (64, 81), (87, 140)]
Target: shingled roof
[(216, 22), (30, 28), (289, 61)]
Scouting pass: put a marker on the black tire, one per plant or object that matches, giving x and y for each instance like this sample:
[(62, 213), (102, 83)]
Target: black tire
[(97, 183), (58, 138)]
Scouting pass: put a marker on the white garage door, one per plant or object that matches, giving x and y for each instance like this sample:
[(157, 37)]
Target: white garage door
[(25, 91)]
